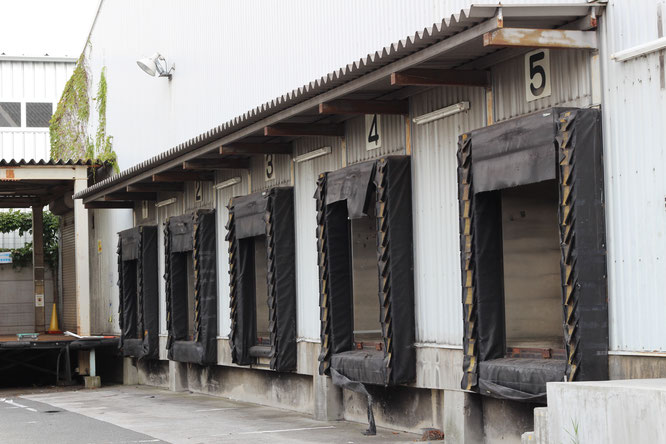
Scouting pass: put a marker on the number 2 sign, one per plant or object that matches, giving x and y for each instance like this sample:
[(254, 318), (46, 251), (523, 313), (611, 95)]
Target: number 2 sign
[(537, 74)]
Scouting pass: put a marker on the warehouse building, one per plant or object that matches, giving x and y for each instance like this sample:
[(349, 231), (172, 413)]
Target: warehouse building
[(437, 230)]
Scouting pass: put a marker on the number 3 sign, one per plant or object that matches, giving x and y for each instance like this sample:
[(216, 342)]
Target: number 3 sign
[(537, 74)]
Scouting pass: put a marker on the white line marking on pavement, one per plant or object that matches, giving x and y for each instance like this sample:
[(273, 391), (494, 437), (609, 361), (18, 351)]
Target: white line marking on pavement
[(11, 402), (31, 409), (216, 410), (277, 431)]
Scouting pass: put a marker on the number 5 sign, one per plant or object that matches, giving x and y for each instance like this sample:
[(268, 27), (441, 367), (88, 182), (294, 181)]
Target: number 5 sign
[(537, 74)]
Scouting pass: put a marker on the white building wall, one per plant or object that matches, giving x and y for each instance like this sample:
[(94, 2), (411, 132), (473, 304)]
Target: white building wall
[(232, 56), (32, 80), (437, 283), (305, 216), (222, 197), (27, 80), (634, 105)]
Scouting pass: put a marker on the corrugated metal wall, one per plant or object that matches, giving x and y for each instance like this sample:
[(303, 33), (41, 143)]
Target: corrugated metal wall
[(570, 83), (307, 272), (282, 175), (435, 208), (28, 81), (286, 40), (222, 200), (206, 195), (392, 136), (69, 303), (634, 105)]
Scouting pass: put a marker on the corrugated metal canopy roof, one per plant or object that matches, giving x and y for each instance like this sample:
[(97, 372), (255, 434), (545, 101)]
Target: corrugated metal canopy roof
[(456, 42), (50, 162)]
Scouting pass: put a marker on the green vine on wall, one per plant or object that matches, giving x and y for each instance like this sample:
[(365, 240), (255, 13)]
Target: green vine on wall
[(68, 127), (14, 220)]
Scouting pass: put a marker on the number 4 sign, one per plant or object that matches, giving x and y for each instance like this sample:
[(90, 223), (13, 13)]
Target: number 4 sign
[(373, 131), (537, 74)]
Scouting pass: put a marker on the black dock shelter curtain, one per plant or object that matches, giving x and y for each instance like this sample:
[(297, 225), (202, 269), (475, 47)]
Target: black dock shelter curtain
[(342, 195), (138, 307), (269, 213), (562, 144), (194, 232)]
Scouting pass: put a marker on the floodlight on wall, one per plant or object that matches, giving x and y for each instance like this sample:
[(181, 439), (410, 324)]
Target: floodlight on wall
[(441, 113), (156, 65)]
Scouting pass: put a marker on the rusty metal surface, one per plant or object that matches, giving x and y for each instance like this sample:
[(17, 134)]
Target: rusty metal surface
[(541, 38)]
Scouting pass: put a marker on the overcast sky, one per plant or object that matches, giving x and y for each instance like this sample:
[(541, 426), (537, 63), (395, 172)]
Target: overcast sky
[(37, 27)]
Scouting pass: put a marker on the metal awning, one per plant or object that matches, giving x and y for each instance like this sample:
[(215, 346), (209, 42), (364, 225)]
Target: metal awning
[(36, 183), (472, 41)]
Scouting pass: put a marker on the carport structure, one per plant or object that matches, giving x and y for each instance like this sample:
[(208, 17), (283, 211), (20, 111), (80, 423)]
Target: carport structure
[(35, 184)]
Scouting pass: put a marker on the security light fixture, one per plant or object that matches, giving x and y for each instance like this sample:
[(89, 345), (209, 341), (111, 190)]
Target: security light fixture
[(156, 64)]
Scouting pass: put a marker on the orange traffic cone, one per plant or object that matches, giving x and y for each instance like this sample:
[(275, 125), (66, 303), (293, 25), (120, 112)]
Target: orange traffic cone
[(53, 328)]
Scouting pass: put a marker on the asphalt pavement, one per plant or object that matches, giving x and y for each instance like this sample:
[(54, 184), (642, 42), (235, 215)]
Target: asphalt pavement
[(26, 421), (142, 414)]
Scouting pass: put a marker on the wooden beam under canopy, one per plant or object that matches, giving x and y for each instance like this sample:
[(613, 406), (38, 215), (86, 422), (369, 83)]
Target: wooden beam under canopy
[(142, 187), (440, 77), (256, 148), (182, 176), (365, 107), (304, 129), (216, 164), (124, 195), (101, 205)]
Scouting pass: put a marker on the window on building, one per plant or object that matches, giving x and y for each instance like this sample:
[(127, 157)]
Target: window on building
[(37, 115), (10, 114)]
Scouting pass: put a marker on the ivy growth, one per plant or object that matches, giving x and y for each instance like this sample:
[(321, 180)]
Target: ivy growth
[(15, 220), (69, 124)]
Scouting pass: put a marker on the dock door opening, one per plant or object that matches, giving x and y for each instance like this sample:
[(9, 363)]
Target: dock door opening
[(191, 287), (262, 272), (138, 299), (365, 278), (531, 258), (532, 241), (366, 297)]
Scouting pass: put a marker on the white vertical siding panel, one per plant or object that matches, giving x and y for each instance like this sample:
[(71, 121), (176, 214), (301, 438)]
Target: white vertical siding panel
[(282, 164), (307, 271), (634, 116), (207, 196), (222, 214), (392, 135), (287, 40), (435, 209), (570, 84)]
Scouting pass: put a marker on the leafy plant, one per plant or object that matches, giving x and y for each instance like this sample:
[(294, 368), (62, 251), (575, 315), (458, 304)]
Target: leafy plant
[(15, 220), (68, 128)]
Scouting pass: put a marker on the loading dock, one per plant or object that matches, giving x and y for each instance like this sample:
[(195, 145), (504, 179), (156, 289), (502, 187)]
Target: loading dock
[(262, 272), (519, 163), (191, 287)]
